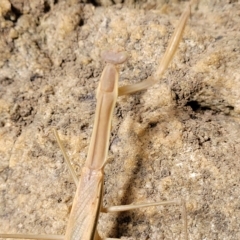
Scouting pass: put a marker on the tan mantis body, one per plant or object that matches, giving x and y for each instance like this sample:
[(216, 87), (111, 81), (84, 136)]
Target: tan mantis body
[(87, 202), (88, 198)]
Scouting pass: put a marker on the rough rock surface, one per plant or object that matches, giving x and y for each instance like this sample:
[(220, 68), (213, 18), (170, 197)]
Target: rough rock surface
[(180, 139)]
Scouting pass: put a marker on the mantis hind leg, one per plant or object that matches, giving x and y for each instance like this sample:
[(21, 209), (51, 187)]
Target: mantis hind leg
[(122, 208)]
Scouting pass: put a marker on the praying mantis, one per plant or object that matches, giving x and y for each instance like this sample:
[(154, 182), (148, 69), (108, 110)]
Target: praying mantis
[(87, 204)]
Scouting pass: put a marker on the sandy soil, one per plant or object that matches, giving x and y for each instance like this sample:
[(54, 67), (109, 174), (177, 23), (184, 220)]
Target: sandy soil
[(177, 140)]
